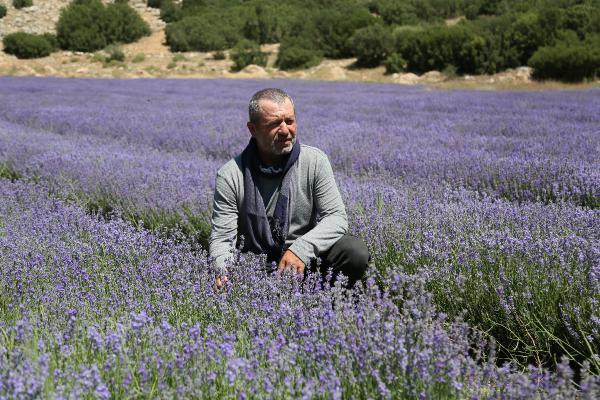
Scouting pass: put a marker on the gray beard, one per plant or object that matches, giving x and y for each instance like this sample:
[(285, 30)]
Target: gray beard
[(285, 150)]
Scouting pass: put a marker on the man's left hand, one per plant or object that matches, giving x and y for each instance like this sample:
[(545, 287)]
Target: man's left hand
[(290, 261)]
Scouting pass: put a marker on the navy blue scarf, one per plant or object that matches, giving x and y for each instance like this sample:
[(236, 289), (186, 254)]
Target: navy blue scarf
[(267, 235)]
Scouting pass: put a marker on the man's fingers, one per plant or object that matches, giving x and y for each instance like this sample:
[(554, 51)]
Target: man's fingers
[(221, 281)]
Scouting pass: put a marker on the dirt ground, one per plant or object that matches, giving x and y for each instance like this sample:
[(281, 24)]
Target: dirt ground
[(150, 57)]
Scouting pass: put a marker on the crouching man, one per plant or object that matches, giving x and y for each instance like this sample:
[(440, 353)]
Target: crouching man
[(282, 198)]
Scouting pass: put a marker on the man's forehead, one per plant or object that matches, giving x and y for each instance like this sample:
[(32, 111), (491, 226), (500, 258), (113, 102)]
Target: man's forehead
[(272, 108)]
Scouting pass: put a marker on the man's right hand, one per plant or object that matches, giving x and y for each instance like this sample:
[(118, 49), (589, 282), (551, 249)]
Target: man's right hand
[(220, 281)]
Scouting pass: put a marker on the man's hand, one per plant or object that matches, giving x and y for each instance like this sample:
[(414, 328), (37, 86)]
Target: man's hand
[(290, 261), (220, 281)]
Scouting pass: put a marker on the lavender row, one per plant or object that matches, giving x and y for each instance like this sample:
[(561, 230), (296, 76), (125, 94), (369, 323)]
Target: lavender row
[(104, 310), (518, 146), (529, 274), (95, 170)]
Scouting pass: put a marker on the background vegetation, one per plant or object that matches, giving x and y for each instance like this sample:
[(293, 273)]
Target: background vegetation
[(489, 36), (560, 39), (28, 45), (88, 25)]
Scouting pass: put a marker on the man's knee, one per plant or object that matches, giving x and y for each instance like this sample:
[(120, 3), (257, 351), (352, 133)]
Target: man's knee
[(352, 254)]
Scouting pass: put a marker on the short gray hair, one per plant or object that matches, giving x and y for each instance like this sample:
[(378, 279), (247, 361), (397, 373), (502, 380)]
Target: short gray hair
[(275, 95)]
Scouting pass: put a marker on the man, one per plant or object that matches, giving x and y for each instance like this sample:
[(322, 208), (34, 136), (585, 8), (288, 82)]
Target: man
[(281, 197)]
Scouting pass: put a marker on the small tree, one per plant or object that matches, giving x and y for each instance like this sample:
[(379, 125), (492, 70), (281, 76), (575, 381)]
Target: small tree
[(247, 52), (26, 45), (2, 10), (169, 11), (87, 25), (569, 62), (80, 26), (296, 56), (22, 3), (372, 45), (154, 3), (123, 24), (394, 63)]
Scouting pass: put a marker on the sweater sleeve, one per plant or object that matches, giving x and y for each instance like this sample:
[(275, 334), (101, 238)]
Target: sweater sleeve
[(332, 223), (224, 222)]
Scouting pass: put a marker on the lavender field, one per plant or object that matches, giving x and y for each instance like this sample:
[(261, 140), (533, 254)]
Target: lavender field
[(481, 211)]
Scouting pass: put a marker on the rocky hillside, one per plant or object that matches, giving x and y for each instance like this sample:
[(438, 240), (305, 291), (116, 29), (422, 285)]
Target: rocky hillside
[(44, 14), (150, 57)]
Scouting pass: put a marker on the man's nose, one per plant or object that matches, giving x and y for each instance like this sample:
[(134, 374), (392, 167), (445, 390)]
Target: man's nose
[(283, 128)]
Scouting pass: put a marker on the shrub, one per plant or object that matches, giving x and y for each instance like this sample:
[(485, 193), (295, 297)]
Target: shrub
[(154, 3), (438, 47), (247, 52), (262, 26), (372, 45), (87, 25), (179, 57), (22, 3), (124, 24), (27, 45), (138, 58), (334, 29), (2, 10), (525, 36), (397, 12), (297, 54), (52, 39), (115, 53), (219, 55), (199, 33), (394, 63), (569, 62), (169, 11), (80, 26)]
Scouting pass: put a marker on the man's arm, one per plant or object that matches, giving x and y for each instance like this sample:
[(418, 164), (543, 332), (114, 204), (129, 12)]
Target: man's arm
[(224, 222), (330, 207)]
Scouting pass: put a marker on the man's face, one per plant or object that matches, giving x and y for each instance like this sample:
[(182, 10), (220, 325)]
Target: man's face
[(275, 132)]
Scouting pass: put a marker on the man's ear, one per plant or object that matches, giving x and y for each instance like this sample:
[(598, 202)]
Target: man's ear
[(251, 127)]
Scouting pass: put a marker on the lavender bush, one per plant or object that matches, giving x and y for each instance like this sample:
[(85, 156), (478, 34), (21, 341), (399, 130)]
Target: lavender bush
[(99, 310), (489, 200)]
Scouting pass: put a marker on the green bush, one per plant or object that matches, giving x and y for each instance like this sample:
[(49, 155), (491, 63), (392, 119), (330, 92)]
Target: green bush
[(372, 45), (22, 3), (397, 12), (200, 33), (80, 26), (154, 3), (52, 40), (87, 25), (219, 55), (295, 53), (27, 45), (247, 52), (123, 24), (169, 11), (333, 30), (2, 10), (569, 62), (439, 47), (394, 63), (138, 58), (525, 36), (115, 53), (262, 26)]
